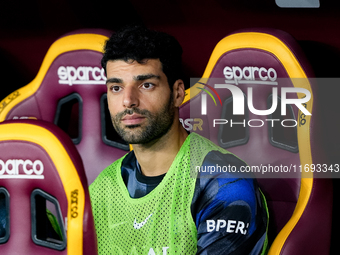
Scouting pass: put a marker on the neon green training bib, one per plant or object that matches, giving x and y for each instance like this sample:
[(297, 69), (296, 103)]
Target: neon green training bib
[(157, 224)]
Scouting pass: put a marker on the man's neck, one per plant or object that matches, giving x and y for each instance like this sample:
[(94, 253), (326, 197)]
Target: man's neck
[(156, 157)]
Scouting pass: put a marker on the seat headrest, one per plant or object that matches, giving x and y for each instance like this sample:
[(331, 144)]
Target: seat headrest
[(263, 48), (72, 65), (40, 167), (70, 91), (261, 60)]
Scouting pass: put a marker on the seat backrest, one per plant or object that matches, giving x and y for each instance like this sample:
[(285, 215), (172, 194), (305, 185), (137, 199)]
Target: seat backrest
[(70, 91), (45, 206), (248, 73)]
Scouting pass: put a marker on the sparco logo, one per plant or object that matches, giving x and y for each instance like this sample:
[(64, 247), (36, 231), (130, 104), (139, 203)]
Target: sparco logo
[(83, 75), (21, 169), (250, 74), (74, 203)]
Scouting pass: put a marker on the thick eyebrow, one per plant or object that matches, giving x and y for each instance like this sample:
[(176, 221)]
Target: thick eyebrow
[(143, 77), (114, 80), (140, 77)]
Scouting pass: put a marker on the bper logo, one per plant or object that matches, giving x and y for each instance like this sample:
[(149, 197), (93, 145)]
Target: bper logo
[(229, 226), (83, 75), (21, 169)]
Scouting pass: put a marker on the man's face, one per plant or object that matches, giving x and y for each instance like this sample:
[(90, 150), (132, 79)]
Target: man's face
[(139, 100)]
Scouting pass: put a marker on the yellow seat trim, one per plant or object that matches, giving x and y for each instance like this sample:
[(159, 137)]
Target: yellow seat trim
[(65, 44), (275, 46), (66, 169)]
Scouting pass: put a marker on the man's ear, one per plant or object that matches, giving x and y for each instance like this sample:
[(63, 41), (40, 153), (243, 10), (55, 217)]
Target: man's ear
[(178, 92)]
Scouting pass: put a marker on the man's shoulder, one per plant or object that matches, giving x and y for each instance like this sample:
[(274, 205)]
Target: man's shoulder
[(222, 173), (199, 140), (108, 173), (217, 162), (200, 144)]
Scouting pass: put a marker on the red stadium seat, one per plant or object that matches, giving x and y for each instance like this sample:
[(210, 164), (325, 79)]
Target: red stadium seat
[(257, 64), (43, 184), (69, 90)]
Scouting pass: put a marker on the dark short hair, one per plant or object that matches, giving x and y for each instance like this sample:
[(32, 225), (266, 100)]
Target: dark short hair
[(139, 43)]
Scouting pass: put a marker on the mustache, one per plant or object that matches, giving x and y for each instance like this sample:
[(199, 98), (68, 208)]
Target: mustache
[(131, 111)]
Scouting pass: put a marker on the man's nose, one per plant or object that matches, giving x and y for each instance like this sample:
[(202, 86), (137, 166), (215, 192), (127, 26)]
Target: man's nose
[(130, 98)]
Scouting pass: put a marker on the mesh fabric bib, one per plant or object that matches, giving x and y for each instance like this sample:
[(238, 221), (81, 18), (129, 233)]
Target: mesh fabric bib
[(158, 223)]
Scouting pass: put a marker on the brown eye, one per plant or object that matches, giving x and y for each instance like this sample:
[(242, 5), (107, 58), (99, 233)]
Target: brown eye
[(116, 88), (147, 85)]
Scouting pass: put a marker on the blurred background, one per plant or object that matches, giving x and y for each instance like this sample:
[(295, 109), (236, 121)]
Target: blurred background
[(28, 28)]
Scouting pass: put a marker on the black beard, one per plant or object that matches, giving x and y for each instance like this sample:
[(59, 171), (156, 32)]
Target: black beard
[(159, 124)]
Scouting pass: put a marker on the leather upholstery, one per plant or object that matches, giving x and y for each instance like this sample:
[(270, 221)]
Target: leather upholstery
[(38, 156), (294, 199), (70, 87)]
